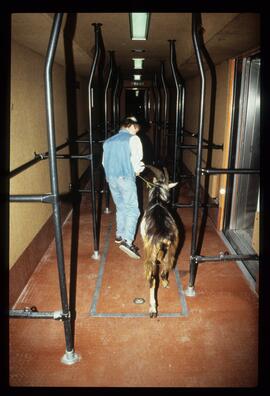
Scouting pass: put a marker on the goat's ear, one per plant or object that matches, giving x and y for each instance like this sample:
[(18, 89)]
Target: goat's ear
[(171, 185)]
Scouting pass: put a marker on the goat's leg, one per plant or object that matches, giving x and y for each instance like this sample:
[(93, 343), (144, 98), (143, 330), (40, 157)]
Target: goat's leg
[(150, 274), (165, 269), (164, 278), (168, 263), (153, 303)]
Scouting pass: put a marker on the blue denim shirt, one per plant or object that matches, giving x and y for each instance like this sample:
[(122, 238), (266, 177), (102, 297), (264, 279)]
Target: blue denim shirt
[(116, 155)]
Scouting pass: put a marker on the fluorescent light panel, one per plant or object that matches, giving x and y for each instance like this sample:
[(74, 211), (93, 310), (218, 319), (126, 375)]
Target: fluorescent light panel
[(139, 25), (137, 77), (138, 63), (138, 50), (138, 83)]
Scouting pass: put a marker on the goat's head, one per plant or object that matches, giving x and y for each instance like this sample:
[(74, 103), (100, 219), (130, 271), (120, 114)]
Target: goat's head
[(161, 183)]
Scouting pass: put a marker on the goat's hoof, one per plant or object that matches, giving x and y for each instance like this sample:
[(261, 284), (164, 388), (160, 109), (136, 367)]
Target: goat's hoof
[(165, 284), (153, 314)]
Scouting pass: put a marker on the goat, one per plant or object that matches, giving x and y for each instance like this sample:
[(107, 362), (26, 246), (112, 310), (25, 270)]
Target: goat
[(159, 234)]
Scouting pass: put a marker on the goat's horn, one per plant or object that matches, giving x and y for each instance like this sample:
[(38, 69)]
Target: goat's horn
[(166, 174), (157, 172)]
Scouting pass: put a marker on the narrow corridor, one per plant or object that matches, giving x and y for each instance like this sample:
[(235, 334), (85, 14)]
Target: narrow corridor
[(210, 340)]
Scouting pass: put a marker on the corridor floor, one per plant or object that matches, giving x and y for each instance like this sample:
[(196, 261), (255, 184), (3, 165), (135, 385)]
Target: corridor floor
[(210, 340)]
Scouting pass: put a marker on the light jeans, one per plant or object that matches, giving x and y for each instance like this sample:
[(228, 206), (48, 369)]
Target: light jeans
[(124, 194)]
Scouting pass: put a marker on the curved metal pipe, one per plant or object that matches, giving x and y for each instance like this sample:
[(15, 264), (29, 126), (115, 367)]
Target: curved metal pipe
[(91, 105), (109, 79), (115, 107), (197, 48), (182, 120), (145, 101), (49, 60), (164, 140), (154, 116), (177, 109), (119, 90), (157, 114)]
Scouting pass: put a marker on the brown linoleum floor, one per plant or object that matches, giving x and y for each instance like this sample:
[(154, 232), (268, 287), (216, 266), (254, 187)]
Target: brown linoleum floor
[(215, 344)]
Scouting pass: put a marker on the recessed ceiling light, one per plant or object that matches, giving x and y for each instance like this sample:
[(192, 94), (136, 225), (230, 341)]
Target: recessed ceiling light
[(138, 83), (138, 63), (139, 25), (138, 50)]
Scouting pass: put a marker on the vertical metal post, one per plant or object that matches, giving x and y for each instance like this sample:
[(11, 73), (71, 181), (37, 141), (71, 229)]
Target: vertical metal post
[(109, 79), (114, 78), (107, 191), (164, 140), (145, 102), (181, 127), (183, 94), (95, 255), (157, 129), (208, 163), (119, 89), (177, 115), (193, 263), (154, 115), (70, 356), (115, 106)]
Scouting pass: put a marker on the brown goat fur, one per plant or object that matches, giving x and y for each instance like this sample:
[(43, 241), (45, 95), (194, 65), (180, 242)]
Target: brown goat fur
[(160, 236)]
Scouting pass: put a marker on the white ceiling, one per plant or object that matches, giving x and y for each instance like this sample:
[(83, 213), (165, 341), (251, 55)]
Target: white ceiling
[(225, 35)]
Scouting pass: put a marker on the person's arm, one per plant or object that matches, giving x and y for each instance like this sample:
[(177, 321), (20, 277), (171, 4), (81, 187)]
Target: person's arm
[(136, 154)]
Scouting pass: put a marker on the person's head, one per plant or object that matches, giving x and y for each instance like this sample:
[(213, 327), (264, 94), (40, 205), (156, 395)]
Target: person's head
[(131, 124)]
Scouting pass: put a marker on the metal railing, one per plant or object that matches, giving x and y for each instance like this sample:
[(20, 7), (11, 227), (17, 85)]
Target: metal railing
[(53, 198), (195, 258), (179, 115)]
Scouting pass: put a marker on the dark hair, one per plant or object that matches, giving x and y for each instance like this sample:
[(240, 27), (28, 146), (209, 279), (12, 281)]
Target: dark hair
[(128, 121)]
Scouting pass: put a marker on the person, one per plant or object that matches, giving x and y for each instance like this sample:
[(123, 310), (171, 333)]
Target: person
[(122, 162)]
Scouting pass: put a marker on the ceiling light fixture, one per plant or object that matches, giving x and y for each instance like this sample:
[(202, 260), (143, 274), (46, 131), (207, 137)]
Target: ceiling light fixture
[(138, 63), (137, 77), (138, 83), (139, 25), (138, 50)]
